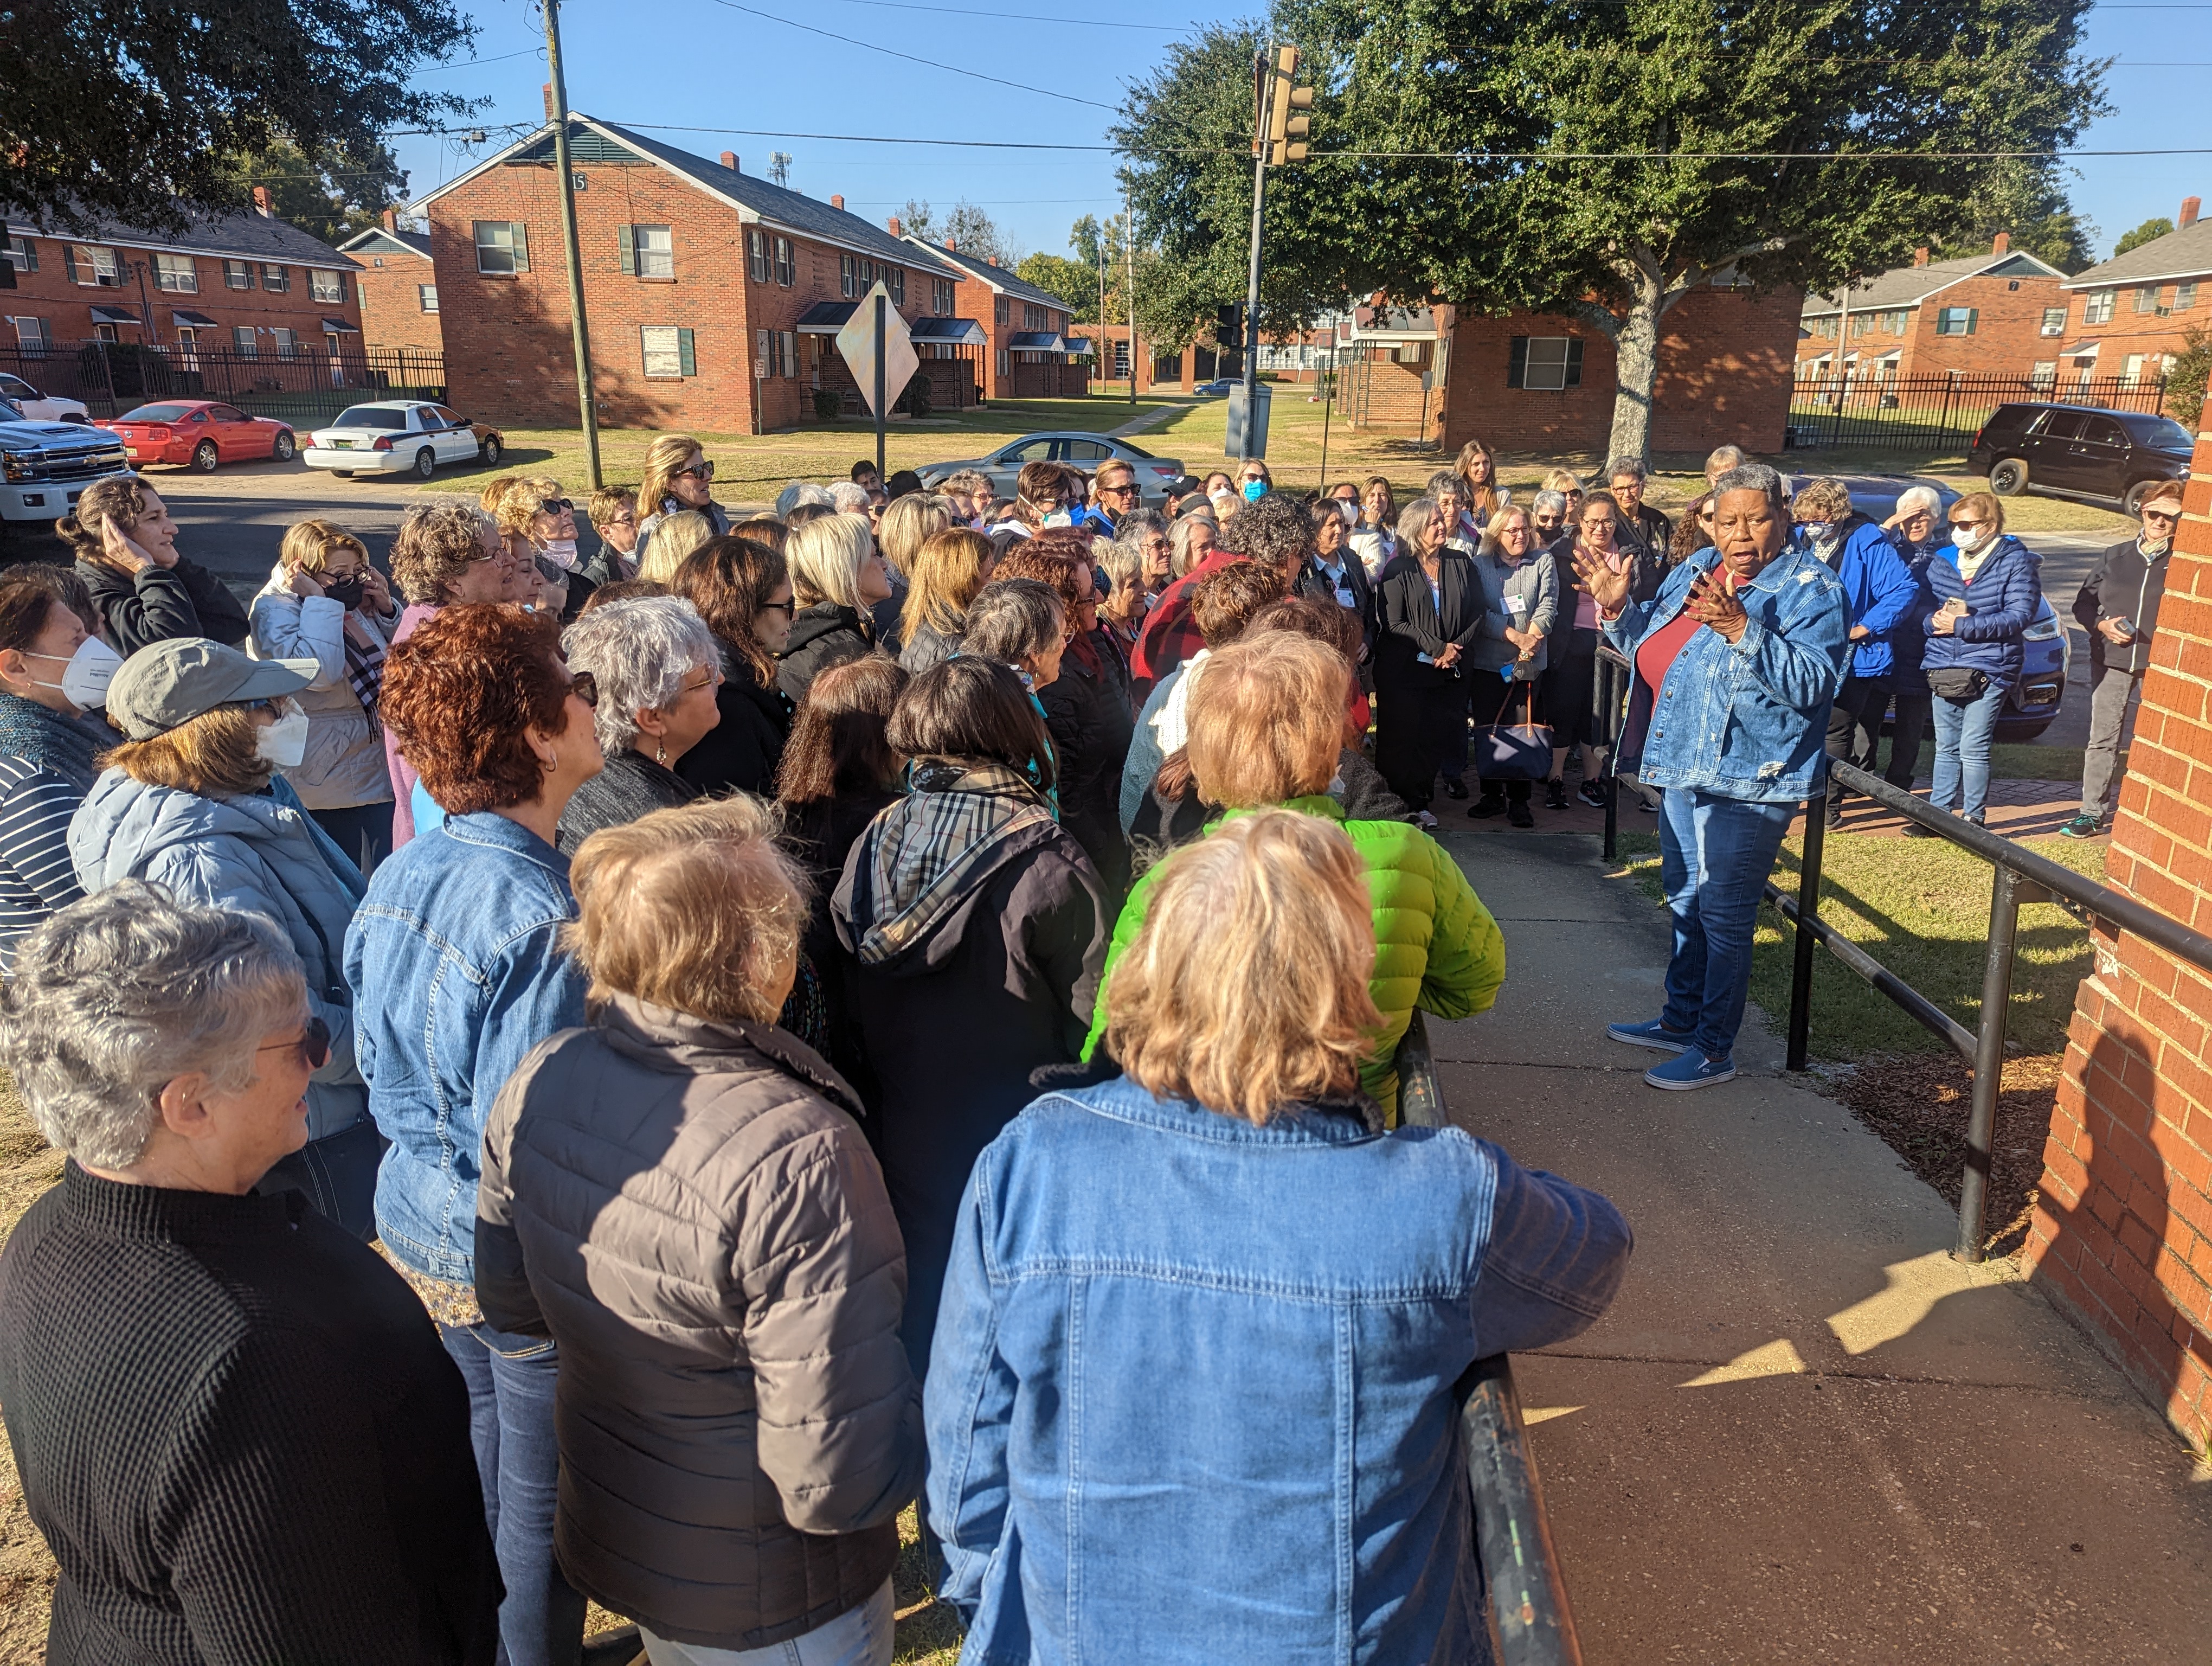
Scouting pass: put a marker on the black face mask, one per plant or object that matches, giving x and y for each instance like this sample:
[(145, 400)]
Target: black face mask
[(347, 592)]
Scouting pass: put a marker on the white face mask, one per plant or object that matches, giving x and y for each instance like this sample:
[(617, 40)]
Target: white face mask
[(283, 743), (1980, 536), (85, 674), (561, 552), (1057, 517)]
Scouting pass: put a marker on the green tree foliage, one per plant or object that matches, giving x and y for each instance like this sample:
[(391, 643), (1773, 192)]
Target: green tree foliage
[(1605, 160), (2025, 200), (1070, 280), (135, 112), (331, 195), (2149, 232), (1075, 277), (2184, 382)]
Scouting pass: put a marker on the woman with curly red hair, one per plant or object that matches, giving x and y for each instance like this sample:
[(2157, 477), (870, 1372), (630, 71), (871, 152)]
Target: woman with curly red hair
[(457, 966)]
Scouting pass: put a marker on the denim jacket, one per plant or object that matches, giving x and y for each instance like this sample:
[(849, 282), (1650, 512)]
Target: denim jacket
[(1748, 719), (456, 975), (1190, 1399)]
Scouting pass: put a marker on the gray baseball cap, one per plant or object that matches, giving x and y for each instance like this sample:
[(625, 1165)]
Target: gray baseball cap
[(166, 683)]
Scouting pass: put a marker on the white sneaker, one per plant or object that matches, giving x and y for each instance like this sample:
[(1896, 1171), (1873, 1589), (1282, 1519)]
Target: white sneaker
[(1425, 821)]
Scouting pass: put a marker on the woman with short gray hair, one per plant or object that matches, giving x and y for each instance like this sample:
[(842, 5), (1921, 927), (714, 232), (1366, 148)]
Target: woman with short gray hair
[(1022, 623), (655, 669), (232, 1421)]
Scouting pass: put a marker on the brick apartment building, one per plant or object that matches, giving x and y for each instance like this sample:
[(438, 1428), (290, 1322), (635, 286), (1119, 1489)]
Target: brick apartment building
[(1999, 313), (711, 293), (246, 284), (398, 286), (2129, 316), (1028, 353)]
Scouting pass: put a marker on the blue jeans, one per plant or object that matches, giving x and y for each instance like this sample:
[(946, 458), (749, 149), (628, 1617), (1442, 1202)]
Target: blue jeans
[(1714, 856), (1963, 735), (858, 1636), (510, 1379)]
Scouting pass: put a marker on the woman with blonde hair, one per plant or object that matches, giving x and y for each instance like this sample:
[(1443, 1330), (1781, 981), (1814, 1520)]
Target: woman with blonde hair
[(1374, 537), (949, 569), (837, 577), (906, 524), (531, 510), (124, 541), (326, 602), (1266, 724), (1219, 1255), (674, 536), (1478, 477), (678, 476), (1432, 611)]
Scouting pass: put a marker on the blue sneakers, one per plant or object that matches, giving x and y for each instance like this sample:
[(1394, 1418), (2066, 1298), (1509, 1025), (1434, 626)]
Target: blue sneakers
[(1690, 1068), (1650, 1033)]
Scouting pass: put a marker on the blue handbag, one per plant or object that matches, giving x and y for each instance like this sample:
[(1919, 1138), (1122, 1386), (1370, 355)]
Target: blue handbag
[(1511, 751)]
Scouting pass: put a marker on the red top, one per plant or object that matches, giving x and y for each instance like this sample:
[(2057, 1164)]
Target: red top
[(1655, 654), (1170, 634)]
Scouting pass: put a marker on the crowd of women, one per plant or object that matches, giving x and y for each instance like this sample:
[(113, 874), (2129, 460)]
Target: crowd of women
[(895, 996)]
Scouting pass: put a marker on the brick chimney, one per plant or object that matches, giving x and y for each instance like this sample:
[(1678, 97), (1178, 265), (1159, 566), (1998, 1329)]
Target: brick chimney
[(545, 90), (891, 225), (837, 203), (2189, 207), (261, 201), (1920, 257), (950, 246), (994, 260), (392, 219), (730, 162), (2003, 242)]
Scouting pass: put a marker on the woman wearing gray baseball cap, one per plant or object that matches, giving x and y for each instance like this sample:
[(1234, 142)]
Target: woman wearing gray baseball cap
[(191, 801)]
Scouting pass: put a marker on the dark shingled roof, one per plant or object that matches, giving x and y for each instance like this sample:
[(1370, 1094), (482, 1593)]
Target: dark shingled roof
[(416, 243), (2184, 253), (245, 235), (999, 277)]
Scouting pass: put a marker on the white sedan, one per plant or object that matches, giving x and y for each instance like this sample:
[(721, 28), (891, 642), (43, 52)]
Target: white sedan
[(394, 436), (40, 407)]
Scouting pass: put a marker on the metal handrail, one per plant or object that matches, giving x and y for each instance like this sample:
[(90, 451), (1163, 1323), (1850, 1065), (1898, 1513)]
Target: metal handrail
[(2022, 876), (1521, 1570)]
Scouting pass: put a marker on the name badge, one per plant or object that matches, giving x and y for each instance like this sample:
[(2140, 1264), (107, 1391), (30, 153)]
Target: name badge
[(1516, 603)]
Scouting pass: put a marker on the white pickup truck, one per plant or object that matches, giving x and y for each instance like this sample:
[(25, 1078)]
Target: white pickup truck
[(45, 466)]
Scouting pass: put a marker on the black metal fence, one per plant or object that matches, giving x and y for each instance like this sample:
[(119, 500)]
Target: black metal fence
[(305, 387), (1934, 414)]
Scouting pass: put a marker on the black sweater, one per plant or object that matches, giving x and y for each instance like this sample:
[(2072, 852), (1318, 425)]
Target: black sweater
[(163, 603), (240, 1436)]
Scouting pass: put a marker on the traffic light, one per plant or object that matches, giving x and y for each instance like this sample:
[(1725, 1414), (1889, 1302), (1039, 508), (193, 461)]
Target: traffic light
[(1287, 123)]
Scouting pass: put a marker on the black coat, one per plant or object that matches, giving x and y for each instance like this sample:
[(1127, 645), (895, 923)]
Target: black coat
[(162, 604), (742, 750), (821, 836), (630, 784), (2123, 585), (1091, 720), (1313, 581), (825, 635), (1411, 625)]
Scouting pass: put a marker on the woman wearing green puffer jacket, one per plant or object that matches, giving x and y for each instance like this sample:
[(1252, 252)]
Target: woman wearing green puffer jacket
[(1265, 726)]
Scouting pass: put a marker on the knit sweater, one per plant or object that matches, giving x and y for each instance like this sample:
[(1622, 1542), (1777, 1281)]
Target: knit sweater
[(240, 1434)]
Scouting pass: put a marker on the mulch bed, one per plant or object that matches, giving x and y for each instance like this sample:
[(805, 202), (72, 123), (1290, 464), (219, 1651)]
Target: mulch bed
[(1919, 1105)]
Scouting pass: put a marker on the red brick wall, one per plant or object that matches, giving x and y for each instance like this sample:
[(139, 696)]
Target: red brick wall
[(508, 355), (392, 314), (1725, 360), (2007, 338), (67, 307), (2128, 331), (2122, 1234)]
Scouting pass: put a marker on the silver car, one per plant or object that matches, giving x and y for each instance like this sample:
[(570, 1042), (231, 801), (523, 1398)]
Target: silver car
[(1079, 450)]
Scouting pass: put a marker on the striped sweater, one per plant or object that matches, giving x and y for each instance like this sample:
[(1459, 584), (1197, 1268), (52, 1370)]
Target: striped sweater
[(36, 877)]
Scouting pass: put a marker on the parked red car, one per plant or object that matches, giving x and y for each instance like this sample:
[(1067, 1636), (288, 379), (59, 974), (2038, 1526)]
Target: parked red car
[(203, 433)]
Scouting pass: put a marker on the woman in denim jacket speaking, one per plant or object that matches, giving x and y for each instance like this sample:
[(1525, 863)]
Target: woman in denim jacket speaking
[(1737, 662), (1175, 1296)]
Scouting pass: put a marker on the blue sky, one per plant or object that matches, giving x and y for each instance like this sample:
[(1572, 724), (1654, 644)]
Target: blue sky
[(706, 64)]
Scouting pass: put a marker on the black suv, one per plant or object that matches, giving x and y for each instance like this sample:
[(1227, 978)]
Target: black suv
[(2078, 451)]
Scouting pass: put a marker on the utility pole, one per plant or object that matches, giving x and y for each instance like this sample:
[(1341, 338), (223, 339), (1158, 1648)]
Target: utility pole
[(1130, 247), (581, 333), (1278, 137)]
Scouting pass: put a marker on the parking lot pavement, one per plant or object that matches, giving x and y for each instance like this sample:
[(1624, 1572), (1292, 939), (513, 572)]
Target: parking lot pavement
[(2067, 559)]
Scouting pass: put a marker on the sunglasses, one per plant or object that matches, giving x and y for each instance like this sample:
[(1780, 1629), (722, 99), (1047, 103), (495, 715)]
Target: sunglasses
[(1126, 489), (585, 688), (789, 604), (315, 1045), (697, 472), (553, 506)]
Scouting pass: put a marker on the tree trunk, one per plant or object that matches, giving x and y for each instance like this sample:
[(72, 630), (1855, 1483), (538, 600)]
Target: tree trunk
[(1636, 371)]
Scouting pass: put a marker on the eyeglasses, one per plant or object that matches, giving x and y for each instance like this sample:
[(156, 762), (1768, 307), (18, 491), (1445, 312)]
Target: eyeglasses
[(700, 470), (626, 518), (315, 1045), (585, 688), (1126, 489), (789, 604)]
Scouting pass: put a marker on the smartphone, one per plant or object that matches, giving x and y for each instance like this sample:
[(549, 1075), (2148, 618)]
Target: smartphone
[(2126, 625)]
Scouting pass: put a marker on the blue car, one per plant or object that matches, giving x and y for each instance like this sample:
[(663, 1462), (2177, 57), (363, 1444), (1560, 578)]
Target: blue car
[(1217, 389)]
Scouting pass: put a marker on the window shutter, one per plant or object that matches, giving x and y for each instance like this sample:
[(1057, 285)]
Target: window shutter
[(1516, 363), (1973, 316), (687, 358), (626, 244), (68, 261), (1574, 361), (521, 246)]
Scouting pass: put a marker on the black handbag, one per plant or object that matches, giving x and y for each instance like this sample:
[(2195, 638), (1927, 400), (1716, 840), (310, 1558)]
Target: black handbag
[(1511, 751), (1961, 684)]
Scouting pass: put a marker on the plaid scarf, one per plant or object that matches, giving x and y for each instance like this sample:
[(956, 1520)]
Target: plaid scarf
[(926, 852), (365, 670)]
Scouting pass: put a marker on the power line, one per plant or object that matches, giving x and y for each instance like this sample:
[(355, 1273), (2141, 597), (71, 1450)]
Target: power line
[(1020, 16), (870, 138), (926, 63), (528, 52)]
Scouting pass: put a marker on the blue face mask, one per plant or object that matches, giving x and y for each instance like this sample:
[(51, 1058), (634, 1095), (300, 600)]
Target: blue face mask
[(1254, 490)]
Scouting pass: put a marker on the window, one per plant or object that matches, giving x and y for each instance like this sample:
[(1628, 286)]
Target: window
[(1900, 322), (22, 254), (849, 272), (176, 274), (895, 282), (242, 342), (2146, 298), (941, 301), (426, 296), (999, 309), (2184, 294), (2054, 320), (32, 334), (502, 247), (1957, 320), (1861, 324), (105, 333), (1035, 318), (287, 342), (2097, 305), (237, 274), (756, 255), (2046, 374), (2103, 431), (647, 251), (326, 286), (669, 353), (1545, 363), (90, 265), (786, 269), (1002, 353), (278, 280)]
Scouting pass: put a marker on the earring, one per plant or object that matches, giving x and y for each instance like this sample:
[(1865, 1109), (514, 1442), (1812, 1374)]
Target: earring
[(661, 752)]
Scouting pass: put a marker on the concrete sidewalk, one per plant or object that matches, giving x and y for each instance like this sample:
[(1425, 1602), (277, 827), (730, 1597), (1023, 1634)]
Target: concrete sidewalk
[(1803, 1432)]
